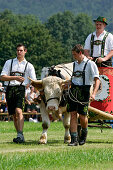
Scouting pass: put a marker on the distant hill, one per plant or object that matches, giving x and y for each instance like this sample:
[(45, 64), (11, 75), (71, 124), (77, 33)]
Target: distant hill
[(46, 8)]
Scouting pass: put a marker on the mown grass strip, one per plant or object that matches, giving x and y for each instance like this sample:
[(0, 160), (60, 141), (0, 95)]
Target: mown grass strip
[(97, 153)]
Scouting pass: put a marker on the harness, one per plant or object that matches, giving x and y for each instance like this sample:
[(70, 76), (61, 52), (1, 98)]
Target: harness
[(80, 73), (17, 73), (98, 42), (53, 72)]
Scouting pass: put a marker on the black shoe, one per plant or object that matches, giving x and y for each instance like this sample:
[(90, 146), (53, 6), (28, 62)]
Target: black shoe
[(73, 144), (82, 139), (82, 142), (18, 140), (74, 141)]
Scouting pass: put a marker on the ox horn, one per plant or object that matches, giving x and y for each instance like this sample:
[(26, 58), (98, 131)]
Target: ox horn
[(36, 83)]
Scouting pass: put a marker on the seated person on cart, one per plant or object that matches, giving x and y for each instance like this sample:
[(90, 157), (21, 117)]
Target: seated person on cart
[(99, 44)]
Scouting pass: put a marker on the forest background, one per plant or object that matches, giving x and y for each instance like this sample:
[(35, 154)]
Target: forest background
[(48, 28)]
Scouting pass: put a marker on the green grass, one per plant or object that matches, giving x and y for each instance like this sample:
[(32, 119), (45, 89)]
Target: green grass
[(96, 154)]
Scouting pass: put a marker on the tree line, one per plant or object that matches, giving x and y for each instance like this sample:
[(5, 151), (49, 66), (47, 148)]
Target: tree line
[(48, 43)]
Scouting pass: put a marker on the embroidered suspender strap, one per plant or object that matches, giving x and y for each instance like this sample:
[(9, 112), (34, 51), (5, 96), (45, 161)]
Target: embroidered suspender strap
[(25, 66), (103, 44), (83, 73), (10, 69), (92, 43), (73, 66), (73, 70)]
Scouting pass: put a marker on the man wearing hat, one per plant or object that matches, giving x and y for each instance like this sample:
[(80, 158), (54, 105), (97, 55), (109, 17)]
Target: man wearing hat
[(99, 44)]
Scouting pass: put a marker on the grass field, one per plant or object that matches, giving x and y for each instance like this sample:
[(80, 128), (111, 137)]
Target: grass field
[(96, 154)]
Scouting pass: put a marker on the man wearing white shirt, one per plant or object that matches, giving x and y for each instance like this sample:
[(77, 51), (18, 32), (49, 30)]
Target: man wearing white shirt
[(84, 73), (15, 75), (99, 44)]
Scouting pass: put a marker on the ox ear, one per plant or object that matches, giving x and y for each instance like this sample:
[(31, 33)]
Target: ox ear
[(36, 83), (65, 84)]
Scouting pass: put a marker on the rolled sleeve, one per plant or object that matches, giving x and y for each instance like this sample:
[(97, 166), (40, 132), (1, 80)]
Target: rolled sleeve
[(94, 70), (31, 71), (6, 68)]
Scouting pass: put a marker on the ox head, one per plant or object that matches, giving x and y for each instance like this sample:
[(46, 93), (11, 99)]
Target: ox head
[(53, 87)]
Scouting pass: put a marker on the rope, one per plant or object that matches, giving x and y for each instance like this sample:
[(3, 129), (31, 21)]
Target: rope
[(64, 67), (74, 99)]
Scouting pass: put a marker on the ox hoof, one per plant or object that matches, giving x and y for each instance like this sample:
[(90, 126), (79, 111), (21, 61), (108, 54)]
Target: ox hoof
[(43, 139), (67, 139)]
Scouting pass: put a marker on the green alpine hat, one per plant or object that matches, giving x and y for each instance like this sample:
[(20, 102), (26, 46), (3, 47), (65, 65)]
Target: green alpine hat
[(101, 19)]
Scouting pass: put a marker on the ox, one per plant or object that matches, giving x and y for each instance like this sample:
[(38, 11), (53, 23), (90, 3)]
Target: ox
[(53, 88)]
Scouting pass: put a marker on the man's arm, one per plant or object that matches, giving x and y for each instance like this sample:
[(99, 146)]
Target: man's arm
[(100, 59), (9, 78), (96, 87)]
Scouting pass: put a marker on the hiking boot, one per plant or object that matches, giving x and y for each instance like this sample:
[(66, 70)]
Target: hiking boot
[(73, 144), (18, 140), (82, 139), (74, 141)]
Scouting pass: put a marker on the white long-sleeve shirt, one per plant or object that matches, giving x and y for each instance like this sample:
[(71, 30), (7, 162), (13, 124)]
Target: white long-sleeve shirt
[(18, 67)]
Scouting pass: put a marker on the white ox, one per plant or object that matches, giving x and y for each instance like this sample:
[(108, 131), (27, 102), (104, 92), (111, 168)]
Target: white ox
[(53, 87)]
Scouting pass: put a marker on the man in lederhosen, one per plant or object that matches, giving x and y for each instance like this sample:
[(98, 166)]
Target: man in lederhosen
[(15, 73), (84, 73), (99, 44)]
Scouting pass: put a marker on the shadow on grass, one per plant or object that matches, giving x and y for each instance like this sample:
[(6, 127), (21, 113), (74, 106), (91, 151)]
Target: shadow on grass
[(50, 142), (53, 142), (30, 142), (36, 142), (107, 142)]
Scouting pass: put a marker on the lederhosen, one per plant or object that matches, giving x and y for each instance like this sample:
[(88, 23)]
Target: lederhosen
[(102, 43), (80, 92), (15, 95)]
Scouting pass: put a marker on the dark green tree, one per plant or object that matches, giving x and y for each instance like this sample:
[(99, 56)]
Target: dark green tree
[(70, 30), (83, 27), (48, 44), (43, 49)]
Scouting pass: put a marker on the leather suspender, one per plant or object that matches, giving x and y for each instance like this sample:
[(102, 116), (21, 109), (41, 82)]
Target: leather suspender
[(102, 44), (92, 43), (83, 72), (11, 69), (25, 70)]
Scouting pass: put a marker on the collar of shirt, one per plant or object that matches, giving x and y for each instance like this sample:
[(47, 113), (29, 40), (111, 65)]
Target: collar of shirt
[(16, 59), (101, 35), (84, 60)]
